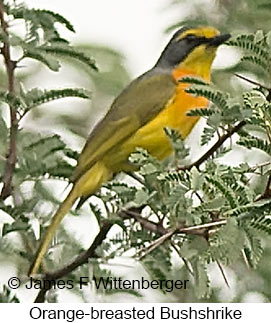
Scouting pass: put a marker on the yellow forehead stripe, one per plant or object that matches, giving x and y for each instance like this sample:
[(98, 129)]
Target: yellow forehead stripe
[(207, 32)]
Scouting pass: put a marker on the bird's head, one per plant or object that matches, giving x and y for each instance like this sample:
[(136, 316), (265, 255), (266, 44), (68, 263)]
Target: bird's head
[(192, 49)]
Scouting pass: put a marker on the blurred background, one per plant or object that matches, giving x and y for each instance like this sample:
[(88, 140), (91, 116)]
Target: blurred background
[(126, 38)]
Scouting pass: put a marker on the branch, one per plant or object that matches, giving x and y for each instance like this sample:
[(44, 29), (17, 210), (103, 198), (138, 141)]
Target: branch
[(164, 233), (79, 261), (156, 243), (147, 224), (124, 214), (219, 143), (167, 235), (252, 82), (12, 149), (267, 192), (158, 228)]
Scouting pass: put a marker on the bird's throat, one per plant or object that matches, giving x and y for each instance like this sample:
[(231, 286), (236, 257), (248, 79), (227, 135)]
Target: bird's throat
[(179, 73)]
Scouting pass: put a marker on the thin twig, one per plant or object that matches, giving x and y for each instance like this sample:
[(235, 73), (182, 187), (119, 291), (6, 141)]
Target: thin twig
[(124, 214), (251, 81), (252, 168), (12, 149), (158, 228), (195, 228), (147, 224), (156, 243), (223, 273), (268, 96), (136, 177), (245, 259), (267, 192), (219, 143), (183, 259)]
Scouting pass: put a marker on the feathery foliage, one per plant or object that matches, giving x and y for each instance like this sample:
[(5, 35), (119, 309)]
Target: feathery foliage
[(215, 212)]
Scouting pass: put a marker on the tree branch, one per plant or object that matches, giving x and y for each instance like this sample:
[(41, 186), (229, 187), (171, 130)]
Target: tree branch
[(79, 260), (147, 224), (12, 149), (124, 214), (252, 82), (218, 144), (158, 228), (164, 233), (267, 192)]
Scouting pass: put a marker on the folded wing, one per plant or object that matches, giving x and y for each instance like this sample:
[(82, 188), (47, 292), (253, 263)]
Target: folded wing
[(139, 103)]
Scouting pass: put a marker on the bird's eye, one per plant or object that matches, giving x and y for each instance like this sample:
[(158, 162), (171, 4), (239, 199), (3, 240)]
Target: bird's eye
[(191, 37)]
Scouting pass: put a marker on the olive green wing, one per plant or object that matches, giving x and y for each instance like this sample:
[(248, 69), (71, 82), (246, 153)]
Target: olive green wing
[(139, 103)]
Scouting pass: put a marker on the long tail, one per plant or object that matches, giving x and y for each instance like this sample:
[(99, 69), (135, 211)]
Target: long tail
[(85, 186), (48, 236)]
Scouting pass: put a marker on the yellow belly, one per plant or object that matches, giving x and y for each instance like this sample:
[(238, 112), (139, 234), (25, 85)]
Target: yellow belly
[(152, 136)]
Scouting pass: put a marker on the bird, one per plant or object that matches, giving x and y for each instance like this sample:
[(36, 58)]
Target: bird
[(138, 117)]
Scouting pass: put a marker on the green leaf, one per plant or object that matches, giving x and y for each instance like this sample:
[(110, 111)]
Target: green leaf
[(268, 38), (178, 206), (246, 42), (172, 176), (207, 135), (202, 281), (36, 97), (177, 143), (10, 99), (123, 191), (193, 80), (96, 211), (7, 297), (227, 243), (38, 20), (259, 36), (216, 96), (262, 224), (14, 227), (241, 209), (141, 197), (197, 179), (253, 249), (225, 189), (57, 18), (143, 159), (40, 156), (215, 204), (68, 51), (254, 142), (264, 6), (52, 63), (158, 264), (255, 60), (201, 112), (193, 247), (45, 193)]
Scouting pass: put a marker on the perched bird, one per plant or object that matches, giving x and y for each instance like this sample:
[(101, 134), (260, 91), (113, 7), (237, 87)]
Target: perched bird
[(138, 116)]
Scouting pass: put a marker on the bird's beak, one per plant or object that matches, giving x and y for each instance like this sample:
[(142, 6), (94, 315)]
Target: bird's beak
[(218, 40)]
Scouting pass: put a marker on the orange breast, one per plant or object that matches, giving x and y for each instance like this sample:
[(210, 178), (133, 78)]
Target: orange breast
[(182, 102), (152, 136)]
